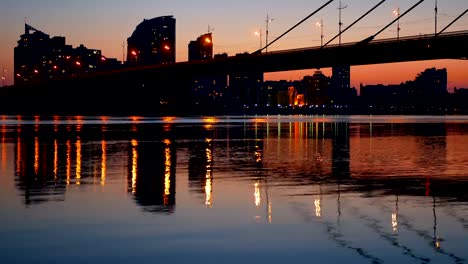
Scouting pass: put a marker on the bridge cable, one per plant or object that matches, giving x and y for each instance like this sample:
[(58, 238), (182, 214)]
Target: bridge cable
[(313, 13), (369, 39), (451, 23), (352, 24)]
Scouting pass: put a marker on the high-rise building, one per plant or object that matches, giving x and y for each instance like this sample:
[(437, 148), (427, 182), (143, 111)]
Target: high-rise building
[(153, 42), (202, 48), (38, 57), (432, 82), (245, 87), (340, 84), (316, 89)]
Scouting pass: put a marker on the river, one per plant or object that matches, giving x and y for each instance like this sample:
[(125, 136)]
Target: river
[(234, 189)]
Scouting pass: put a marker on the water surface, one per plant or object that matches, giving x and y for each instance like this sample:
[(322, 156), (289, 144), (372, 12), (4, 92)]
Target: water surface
[(250, 189)]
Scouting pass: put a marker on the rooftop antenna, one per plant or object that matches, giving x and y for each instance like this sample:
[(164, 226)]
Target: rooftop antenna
[(210, 29), (26, 28)]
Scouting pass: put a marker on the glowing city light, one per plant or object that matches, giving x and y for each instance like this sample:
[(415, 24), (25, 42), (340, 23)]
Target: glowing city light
[(395, 222), (167, 173), (134, 165), (257, 194), (318, 208)]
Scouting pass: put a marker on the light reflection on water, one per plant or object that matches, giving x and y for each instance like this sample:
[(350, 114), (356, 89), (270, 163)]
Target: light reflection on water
[(356, 189)]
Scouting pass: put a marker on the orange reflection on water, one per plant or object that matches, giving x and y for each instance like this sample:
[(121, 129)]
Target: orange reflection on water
[(18, 156), (169, 119), (37, 120), (68, 155), (257, 194), (395, 222), (78, 162), (103, 162), (208, 176), (79, 124), (318, 208), (167, 172), (270, 212), (36, 155), (209, 121), (55, 160), (134, 164), (208, 190), (135, 121), (56, 123), (104, 119)]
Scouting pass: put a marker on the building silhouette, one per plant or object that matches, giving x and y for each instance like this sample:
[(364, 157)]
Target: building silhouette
[(340, 84), (201, 48), (153, 42), (38, 57), (431, 82), (245, 87), (316, 89)]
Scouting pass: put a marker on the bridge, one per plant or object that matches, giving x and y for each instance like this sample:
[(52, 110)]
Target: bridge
[(151, 86), (451, 45)]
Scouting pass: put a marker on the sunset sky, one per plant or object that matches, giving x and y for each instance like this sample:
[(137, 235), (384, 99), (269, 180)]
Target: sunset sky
[(106, 24)]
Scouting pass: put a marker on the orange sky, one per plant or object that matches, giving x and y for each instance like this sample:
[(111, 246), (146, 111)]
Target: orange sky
[(392, 73), (233, 26)]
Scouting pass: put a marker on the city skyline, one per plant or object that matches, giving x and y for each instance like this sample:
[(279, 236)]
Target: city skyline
[(107, 29)]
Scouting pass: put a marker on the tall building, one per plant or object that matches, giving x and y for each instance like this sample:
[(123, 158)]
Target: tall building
[(38, 57), (202, 48), (245, 87), (153, 42), (431, 82), (340, 84), (316, 89), (206, 88)]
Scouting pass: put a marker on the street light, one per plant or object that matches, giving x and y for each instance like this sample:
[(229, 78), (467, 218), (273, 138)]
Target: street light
[(3, 77), (436, 9), (135, 55), (340, 23), (259, 34), (320, 24), (268, 21), (397, 13)]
